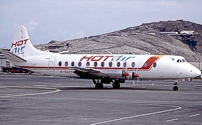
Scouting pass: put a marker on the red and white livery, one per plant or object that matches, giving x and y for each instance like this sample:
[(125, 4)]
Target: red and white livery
[(101, 68)]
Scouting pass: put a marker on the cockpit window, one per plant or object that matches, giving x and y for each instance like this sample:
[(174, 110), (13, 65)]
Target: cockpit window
[(181, 60)]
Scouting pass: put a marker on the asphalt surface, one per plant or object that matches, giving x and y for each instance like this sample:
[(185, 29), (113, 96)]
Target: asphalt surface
[(45, 100)]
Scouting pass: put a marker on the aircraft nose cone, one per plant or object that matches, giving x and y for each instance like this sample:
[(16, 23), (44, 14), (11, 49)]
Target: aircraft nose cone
[(196, 72)]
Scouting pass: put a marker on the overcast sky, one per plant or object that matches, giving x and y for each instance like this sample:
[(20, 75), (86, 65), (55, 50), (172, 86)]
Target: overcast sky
[(48, 20)]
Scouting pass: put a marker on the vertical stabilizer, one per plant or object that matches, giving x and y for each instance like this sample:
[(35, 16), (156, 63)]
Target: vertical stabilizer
[(21, 44)]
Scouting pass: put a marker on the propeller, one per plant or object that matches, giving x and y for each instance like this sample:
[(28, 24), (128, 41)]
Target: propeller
[(152, 83), (135, 75), (125, 73)]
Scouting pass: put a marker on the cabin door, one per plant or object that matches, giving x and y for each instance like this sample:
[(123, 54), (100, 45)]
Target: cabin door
[(51, 64)]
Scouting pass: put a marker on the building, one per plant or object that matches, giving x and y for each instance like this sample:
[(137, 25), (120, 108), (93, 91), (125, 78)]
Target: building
[(3, 60)]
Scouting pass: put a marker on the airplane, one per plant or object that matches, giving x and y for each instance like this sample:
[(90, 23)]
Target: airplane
[(101, 68)]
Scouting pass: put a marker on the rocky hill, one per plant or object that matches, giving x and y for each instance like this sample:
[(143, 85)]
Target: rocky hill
[(165, 37)]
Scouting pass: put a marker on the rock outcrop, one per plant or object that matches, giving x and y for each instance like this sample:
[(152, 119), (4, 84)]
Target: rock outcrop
[(165, 37)]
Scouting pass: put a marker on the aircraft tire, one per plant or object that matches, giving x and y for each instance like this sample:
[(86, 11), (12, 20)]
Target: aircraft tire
[(116, 85), (99, 86), (175, 88)]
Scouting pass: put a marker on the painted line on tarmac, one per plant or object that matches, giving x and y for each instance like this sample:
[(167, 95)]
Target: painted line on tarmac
[(2, 87), (194, 115), (31, 94), (175, 119), (10, 78), (40, 85), (137, 116)]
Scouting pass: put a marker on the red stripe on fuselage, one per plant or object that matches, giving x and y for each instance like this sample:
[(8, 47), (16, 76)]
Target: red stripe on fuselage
[(148, 64)]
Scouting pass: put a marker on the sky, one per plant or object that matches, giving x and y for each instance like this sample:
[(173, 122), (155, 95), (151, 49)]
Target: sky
[(48, 20)]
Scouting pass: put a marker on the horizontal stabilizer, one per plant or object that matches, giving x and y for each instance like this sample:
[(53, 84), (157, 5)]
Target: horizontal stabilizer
[(11, 57)]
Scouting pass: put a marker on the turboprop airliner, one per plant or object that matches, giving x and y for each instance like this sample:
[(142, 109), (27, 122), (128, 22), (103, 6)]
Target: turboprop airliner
[(101, 68)]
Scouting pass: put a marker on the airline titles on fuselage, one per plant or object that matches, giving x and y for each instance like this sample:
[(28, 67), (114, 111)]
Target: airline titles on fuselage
[(105, 58)]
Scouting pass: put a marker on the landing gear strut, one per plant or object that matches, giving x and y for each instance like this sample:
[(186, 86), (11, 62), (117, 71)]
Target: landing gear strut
[(98, 84), (175, 87)]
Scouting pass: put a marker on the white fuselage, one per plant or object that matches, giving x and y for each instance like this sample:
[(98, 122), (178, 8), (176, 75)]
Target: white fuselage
[(146, 66), (101, 68)]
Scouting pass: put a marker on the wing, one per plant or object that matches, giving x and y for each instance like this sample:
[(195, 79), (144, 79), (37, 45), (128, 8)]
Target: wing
[(88, 73), (11, 57)]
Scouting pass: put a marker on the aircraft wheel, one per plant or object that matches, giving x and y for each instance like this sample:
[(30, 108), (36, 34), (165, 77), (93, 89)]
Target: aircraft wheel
[(175, 88), (116, 85), (99, 86)]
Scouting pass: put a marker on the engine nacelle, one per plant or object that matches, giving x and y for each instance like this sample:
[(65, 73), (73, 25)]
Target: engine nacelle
[(135, 75)]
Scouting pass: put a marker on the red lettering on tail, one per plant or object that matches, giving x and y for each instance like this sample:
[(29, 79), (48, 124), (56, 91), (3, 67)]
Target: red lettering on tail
[(14, 44), (19, 43)]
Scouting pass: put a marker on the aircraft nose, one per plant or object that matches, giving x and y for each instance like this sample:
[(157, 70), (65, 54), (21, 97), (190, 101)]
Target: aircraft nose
[(196, 72)]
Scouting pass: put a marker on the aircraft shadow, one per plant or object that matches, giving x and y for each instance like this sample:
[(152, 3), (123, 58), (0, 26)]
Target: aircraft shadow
[(111, 89)]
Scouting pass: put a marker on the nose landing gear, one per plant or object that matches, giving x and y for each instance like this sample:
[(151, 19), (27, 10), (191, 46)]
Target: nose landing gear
[(116, 85), (175, 86)]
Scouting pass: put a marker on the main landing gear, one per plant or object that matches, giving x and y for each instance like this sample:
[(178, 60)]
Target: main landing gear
[(175, 86), (116, 84), (99, 83)]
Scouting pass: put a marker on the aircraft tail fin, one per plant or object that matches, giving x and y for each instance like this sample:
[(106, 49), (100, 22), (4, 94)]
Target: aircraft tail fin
[(21, 44)]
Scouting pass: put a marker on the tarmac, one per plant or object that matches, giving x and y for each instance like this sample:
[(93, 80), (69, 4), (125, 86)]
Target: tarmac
[(51, 100)]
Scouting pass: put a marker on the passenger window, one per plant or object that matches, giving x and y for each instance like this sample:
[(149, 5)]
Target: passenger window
[(146, 64), (118, 64), (87, 64), (110, 64), (178, 60), (133, 64), (102, 64), (154, 64), (66, 63), (95, 64), (124, 64), (60, 63), (79, 64), (72, 64)]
